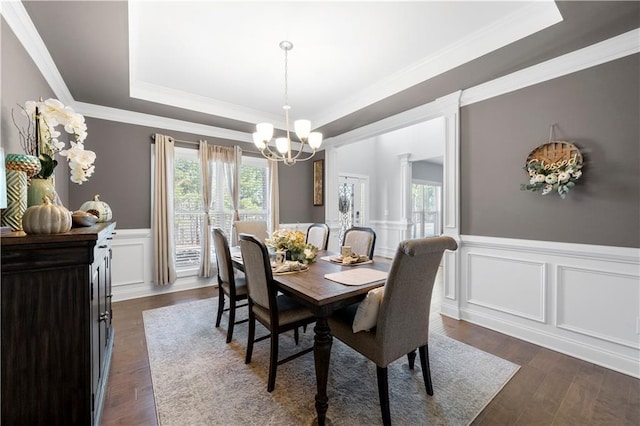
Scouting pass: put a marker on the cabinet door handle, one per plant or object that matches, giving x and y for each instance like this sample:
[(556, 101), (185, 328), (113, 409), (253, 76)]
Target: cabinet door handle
[(104, 316), (103, 246)]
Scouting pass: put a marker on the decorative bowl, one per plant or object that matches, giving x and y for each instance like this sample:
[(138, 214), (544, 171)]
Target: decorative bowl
[(81, 218)]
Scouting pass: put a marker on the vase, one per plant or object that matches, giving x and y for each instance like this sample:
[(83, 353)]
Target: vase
[(39, 188), (19, 167)]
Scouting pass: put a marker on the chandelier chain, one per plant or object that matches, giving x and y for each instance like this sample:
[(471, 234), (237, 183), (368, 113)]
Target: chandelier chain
[(286, 78)]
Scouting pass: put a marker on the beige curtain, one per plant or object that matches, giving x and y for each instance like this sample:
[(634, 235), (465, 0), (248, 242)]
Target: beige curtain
[(162, 222), (274, 197), (232, 173), (213, 158)]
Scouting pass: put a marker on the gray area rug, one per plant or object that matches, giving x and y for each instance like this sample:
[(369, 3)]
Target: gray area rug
[(198, 379)]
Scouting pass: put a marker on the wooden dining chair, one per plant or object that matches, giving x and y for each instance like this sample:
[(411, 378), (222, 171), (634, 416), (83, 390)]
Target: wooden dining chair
[(277, 312), (234, 288), (318, 235), (402, 323), (361, 239)]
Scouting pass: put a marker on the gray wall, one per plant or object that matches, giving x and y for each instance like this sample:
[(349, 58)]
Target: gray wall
[(123, 164), (296, 192), (21, 82), (597, 109), (123, 175)]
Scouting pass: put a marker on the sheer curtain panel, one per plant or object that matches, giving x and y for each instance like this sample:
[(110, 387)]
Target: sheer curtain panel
[(213, 160), (162, 226)]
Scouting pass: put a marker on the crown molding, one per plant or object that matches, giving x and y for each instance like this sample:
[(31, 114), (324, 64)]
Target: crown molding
[(590, 56), (140, 119), (180, 99), (18, 19), (513, 27)]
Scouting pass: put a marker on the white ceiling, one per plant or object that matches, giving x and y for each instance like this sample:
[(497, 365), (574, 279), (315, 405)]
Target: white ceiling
[(346, 55)]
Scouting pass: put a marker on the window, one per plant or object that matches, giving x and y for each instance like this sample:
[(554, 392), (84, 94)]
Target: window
[(426, 210), (189, 215)]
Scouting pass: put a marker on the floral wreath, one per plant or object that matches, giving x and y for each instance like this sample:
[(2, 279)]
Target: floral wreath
[(549, 176)]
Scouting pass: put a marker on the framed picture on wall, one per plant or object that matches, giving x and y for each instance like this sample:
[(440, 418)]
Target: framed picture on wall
[(318, 182)]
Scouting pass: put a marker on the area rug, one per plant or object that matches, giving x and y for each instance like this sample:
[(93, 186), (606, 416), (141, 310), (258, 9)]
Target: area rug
[(198, 379)]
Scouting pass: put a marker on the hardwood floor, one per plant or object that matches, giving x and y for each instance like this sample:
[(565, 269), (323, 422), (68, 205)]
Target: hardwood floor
[(549, 389)]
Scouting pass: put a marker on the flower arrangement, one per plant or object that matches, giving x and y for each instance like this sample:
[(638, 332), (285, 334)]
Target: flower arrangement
[(40, 138), (293, 242), (560, 176)]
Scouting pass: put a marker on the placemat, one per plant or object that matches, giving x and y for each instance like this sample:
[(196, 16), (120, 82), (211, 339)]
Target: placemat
[(358, 276)]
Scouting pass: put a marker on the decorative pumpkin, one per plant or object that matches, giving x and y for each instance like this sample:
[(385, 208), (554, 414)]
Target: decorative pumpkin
[(46, 218), (98, 208)]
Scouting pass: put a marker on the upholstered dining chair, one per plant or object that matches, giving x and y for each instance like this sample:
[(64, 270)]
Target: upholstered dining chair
[(361, 239), (257, 228), (403, 314), (234, 288), (318, 235), (277, 312)]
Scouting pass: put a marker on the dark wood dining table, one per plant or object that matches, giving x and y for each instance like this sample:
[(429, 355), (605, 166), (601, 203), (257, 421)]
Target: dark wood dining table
[(322, 297)]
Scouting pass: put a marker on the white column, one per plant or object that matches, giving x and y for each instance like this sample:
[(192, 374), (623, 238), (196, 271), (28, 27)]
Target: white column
[(405, 191)]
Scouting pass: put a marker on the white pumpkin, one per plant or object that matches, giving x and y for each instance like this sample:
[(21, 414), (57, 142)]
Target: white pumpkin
[(98, 208), (46, 218)]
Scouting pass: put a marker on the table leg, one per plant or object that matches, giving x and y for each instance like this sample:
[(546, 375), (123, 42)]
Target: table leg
[(322, 355)]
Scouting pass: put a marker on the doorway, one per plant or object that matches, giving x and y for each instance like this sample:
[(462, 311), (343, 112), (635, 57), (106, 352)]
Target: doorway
[(352, 202)]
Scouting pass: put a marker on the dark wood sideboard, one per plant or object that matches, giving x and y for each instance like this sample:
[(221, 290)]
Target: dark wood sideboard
[(57, 337)]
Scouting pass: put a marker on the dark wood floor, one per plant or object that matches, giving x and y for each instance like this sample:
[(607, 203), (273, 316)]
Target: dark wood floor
[(549, 389)]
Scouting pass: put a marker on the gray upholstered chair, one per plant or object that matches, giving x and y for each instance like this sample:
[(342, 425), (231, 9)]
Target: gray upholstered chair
[(277, 312), (403, 316), (318, 235), (257, 228), (234, 288), (362, 240)]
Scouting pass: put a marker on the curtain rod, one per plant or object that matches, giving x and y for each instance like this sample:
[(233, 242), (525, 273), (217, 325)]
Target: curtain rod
[(153, 140)]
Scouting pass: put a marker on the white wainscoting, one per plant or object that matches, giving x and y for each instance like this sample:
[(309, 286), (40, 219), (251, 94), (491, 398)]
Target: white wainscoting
[(131, 268), (582, 300), (388, 236)]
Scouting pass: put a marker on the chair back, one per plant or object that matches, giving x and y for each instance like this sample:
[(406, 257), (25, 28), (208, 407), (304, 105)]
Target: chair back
[(403, 318), (223, 257), (361, 239), (318, 235), (257, 270), (257, 228)]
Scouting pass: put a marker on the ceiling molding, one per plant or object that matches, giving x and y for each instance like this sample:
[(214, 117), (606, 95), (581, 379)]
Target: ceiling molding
[(20, 22), (177, 98), (509, 29), (140, 119), (605, 51)]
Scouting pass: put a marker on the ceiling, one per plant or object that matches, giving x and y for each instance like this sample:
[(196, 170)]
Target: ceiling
[(218, 63)]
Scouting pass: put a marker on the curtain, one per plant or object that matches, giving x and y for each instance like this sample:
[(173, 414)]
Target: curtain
[(214, 159), (274, 197), (162, 221), (232, 173)]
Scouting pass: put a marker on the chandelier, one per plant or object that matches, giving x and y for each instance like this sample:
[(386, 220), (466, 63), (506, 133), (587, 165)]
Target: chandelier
[(284, 150)]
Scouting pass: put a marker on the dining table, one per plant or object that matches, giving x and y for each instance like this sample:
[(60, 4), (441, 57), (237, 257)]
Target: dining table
[(323, 296)]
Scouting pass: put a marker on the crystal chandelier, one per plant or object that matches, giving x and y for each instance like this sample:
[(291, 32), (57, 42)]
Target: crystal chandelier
[(264, 131)]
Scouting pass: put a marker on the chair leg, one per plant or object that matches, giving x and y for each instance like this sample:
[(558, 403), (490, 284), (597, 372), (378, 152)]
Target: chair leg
[(273, 361), (251, 337), (383, 393), (232, 319), (411, 356), (296, 335), (220, 308), (426, 372)]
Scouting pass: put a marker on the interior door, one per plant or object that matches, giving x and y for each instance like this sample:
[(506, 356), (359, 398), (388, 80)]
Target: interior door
[(352, 202)]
